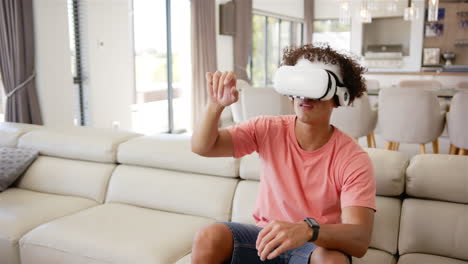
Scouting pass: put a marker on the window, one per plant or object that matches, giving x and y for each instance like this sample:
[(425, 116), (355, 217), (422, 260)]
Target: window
[(77, 16), (270, 36), (337, 35), (162, 66)]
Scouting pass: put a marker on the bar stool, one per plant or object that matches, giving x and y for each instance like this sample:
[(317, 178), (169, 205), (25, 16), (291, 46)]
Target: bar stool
[(410, 116), (372, 84), (257, 101), (457, 124), (264, 101), (426, 84), (357, 120), (236, 108)]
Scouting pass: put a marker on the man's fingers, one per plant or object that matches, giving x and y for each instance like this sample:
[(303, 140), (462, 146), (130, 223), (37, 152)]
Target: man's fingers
[(215, 83), (235, 94), (229, 78), (261, 234), (269, 247), (265, 240), (209, 83), (221, 84), (275, 253)]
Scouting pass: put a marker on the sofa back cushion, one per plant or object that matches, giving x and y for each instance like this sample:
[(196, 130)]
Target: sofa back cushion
[(386, 224), (173, 152), (434, 227), (250, 167), (82, 143), (244, 201), (389, 170), (173, 191), (68, 177), (435, 219), (438, 177), (10, 132)]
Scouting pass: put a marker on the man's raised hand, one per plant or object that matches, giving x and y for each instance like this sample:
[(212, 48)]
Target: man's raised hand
[(221, 88)]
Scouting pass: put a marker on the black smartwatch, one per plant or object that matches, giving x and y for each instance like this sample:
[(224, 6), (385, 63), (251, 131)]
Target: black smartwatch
[(315, 226)]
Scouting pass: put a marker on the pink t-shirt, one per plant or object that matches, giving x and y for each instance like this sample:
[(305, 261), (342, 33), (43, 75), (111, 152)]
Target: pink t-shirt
[(294, 183)]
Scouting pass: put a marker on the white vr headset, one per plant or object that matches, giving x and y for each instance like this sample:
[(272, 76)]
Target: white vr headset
[(317, 81)]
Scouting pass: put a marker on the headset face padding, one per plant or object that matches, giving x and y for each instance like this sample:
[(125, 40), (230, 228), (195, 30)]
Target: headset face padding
[(310, 80)]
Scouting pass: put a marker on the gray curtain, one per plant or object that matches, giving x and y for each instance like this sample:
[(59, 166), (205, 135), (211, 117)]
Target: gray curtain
[(17, 61), (308, 20), (243, 37), (203, 52)]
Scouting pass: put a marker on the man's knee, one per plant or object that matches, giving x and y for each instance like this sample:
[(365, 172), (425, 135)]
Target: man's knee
[(326, 256), (213, 241)]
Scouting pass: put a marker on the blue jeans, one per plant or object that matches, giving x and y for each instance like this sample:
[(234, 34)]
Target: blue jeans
[(245, 237)]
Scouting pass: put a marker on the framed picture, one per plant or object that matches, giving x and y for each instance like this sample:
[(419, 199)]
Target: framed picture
[(441, 14), (431, 56)]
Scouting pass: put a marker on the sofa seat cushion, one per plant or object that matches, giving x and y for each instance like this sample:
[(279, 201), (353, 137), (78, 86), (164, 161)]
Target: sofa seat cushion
[(113, 233), (23, 210), (374, 256), (428, 259)]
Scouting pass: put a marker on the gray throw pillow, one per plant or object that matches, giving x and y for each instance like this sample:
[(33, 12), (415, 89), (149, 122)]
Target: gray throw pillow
[(13, 163)]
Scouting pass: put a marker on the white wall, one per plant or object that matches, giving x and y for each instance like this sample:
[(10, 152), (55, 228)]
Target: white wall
[(53, 67), (291, 8), (224, 45), (110, 60), (109, 51)]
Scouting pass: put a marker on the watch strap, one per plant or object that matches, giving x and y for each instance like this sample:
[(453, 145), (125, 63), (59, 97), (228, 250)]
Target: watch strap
[(315, 227)]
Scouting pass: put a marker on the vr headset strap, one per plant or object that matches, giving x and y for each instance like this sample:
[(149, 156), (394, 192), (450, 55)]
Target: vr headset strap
[(338, 83)]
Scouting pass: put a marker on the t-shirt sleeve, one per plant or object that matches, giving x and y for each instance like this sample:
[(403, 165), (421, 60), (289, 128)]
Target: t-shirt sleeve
[(358, 187), (245, 137)]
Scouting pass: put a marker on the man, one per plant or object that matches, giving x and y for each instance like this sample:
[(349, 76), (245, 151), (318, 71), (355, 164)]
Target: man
[(316, 201)]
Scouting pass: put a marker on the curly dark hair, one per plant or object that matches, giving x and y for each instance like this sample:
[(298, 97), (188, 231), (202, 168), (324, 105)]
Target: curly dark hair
[(350, 69)]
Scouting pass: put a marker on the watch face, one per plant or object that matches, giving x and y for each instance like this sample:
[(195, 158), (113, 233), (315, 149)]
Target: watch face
[(313, 221)]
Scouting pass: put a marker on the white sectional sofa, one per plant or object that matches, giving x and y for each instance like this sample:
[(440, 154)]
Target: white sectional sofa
[(101, 196)]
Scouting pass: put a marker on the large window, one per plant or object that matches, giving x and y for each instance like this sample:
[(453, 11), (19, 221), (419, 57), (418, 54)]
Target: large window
[(75, 20), (337, 35), (270, 36), (162, 66)]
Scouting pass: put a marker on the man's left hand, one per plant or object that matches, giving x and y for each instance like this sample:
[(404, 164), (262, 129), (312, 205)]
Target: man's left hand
[(278, 237)]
